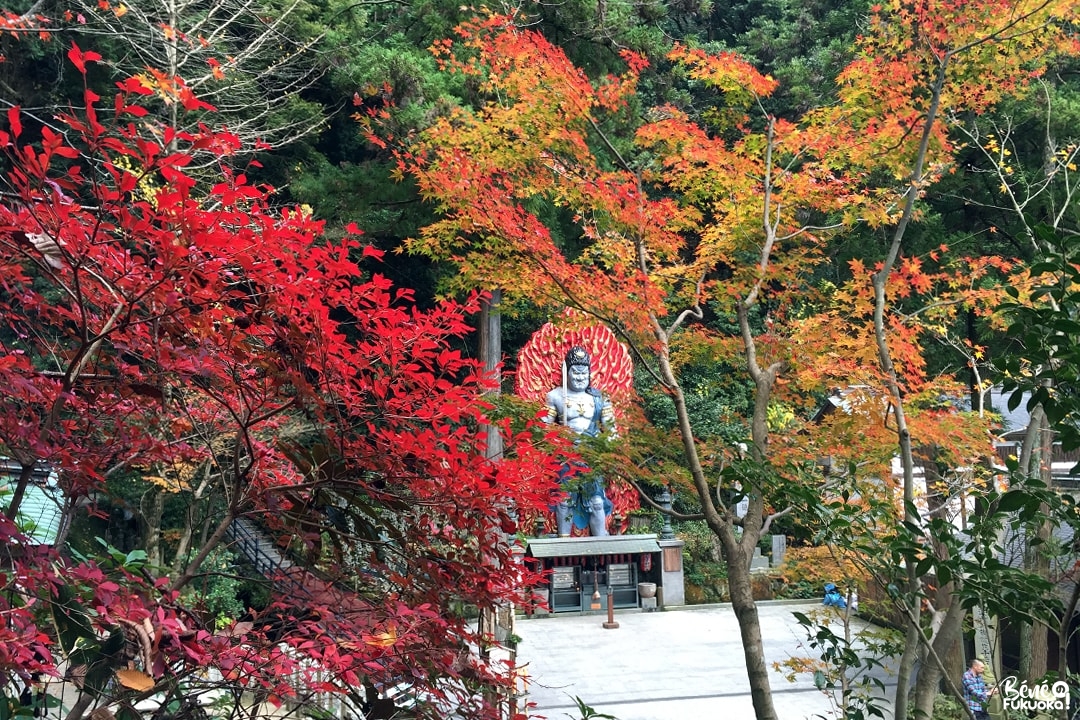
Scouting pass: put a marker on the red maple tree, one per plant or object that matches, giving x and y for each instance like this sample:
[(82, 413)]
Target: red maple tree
[(150, 325)]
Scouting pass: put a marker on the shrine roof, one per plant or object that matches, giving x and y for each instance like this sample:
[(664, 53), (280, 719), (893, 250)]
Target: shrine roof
[(606, 545)]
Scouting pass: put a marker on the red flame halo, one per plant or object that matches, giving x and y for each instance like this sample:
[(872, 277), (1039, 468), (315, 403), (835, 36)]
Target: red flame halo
[(612, 372), (540, 361)]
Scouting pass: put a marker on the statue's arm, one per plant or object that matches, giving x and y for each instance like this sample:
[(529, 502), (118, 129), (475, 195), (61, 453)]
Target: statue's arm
[(553, 403)]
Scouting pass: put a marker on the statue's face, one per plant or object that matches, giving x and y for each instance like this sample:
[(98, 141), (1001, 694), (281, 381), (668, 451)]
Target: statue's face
[(578, 378)]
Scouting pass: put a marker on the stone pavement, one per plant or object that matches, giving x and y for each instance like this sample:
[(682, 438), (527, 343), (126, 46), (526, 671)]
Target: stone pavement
[(680, 664)]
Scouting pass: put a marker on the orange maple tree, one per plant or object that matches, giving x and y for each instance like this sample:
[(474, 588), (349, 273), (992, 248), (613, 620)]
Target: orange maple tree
[(733, 217), (921, 68), (658, 232)]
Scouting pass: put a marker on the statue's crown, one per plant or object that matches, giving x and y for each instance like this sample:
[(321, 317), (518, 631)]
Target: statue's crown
[(577, 356)]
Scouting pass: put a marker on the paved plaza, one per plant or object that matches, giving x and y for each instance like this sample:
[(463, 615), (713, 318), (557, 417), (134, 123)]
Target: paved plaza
[(681, 664)]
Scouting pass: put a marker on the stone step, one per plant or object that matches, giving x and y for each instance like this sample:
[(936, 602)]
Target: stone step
[(258, 549)]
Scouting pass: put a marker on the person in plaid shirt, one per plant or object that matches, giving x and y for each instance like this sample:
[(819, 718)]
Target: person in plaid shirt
[(976, 694)]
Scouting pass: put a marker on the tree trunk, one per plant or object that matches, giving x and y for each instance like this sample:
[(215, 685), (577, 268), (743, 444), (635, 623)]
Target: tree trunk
[(1034, 636), (954, 656), (1036, 457), (742, 602), (153, 508), (740, 550), (184, 545), (15, 501), (491, 356), (927, 685), (1064, 632), (723, 526), (947, 623), (912, 583), (946, 637), (892, 381)]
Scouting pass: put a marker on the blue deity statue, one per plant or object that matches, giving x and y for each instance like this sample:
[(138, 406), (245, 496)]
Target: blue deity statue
[(585, 410)]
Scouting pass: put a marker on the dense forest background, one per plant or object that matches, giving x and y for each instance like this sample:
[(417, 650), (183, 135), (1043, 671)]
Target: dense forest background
[(295, 74)]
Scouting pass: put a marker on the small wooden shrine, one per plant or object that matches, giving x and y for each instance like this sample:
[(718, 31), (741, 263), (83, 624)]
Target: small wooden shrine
[(582, 569)]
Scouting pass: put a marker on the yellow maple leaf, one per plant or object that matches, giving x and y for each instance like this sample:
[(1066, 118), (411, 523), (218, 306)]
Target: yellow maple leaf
[(383, 639), (135, 680)]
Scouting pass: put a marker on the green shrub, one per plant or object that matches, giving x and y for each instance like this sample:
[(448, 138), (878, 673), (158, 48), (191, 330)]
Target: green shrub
[(704, 570), (801, 590), (946, 707)]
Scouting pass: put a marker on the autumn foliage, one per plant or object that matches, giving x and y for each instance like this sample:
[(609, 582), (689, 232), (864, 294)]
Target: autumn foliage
[(732, 208), (155, 326)]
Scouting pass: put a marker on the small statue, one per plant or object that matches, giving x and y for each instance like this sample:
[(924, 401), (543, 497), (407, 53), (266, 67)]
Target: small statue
[(585, 410)]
